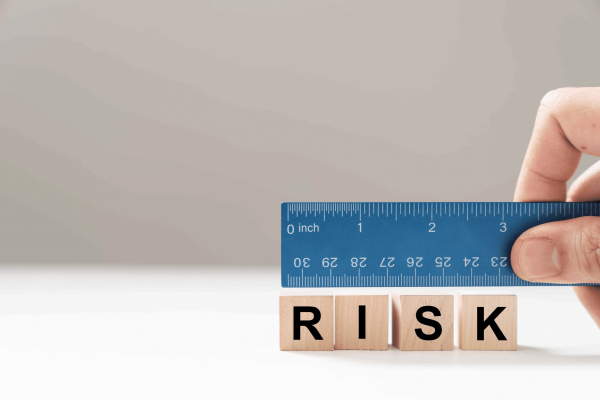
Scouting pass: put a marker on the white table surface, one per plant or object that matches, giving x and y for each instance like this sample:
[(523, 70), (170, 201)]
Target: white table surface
[(158, 332)]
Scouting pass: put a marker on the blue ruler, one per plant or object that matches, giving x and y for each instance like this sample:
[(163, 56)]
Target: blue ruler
[(409, 244)]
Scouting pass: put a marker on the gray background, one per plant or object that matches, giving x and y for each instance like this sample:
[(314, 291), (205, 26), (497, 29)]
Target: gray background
[(168, 132)]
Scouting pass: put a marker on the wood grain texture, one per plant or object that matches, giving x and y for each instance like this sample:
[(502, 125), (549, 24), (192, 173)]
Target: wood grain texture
[(375, 322), (467, 305), (307, 341), (405, 323)]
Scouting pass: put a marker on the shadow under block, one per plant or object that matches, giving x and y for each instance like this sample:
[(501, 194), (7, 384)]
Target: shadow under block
[(306, 322), (423, 322), (487, 322), (361, 322)]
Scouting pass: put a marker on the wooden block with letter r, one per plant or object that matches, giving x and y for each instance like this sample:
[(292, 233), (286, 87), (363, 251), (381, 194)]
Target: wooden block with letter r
[(305, 322), (487, 321), (361, 322), (423, 321)]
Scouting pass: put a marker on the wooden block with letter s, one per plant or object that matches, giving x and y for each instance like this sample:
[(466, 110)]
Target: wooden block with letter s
[(423, 321), (306, 322), (487, 321)]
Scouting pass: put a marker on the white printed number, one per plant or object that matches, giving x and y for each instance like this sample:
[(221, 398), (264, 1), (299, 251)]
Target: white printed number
[(499, 261), (356, 263), (502, 226), (442, 262), (473, 261), (389, 263), (432, 227), (330, 262), (414, 262), (301, 262)]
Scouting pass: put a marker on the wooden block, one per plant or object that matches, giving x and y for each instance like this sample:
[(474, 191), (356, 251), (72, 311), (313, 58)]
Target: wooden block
[(361, 322), (487, 322), (306, 322), (423, 321)]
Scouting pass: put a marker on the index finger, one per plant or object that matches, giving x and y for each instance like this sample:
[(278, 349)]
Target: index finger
[(567, 125)]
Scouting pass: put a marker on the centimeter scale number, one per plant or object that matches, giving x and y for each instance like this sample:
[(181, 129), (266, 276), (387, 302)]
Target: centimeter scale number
[(409, 244)]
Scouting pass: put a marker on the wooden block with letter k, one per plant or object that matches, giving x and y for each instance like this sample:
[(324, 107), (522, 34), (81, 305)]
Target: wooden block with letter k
[(487, 321)]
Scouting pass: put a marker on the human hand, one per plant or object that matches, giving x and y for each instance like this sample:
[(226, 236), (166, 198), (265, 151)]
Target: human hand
[(567, 125)]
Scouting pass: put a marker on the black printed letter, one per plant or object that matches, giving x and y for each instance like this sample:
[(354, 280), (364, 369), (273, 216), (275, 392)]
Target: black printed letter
[(362, 310), (490, 321), (429, 322), (308, 324)]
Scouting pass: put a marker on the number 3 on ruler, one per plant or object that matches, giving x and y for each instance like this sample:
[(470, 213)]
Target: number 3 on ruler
[(502, 226)]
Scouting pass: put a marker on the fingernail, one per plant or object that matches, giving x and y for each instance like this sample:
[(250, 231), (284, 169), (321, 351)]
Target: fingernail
[(538, 258)]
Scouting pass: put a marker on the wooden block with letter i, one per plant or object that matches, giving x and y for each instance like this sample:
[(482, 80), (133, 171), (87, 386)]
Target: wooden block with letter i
[(423, 321), (306, 322), (487, 321), (361, 322)]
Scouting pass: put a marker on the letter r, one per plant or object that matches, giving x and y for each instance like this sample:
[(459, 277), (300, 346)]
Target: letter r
[(309, 324)]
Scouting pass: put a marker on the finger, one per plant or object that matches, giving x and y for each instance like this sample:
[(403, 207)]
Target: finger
[(587, 186), (590, 298), (559, 252), (567, 124)]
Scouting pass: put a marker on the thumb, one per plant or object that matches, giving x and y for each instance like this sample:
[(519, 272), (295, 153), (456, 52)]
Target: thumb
[(559, 252)]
